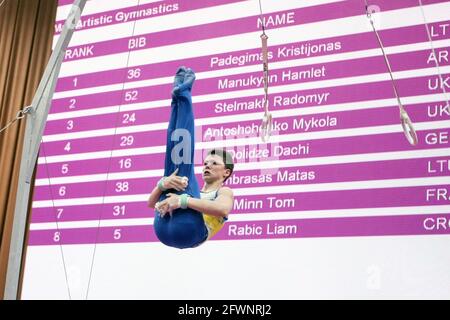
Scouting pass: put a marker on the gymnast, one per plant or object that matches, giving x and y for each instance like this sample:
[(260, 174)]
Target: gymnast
[(186, 217)]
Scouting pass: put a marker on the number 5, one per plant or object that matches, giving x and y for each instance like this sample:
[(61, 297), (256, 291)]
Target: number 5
[(117, 234), (65, 168)]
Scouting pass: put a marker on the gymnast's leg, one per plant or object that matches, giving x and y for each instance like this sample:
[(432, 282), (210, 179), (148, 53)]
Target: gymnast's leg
[(185, 228)]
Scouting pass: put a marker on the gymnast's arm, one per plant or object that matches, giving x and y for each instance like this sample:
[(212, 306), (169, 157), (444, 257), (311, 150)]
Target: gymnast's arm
[(220, 207), (171, 182), (154, 197)]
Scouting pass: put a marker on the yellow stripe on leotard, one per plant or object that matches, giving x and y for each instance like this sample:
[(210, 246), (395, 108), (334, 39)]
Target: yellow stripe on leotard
[(213, 224)]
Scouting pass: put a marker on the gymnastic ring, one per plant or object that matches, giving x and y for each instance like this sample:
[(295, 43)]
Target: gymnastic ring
[(408, 129), (266, 127)]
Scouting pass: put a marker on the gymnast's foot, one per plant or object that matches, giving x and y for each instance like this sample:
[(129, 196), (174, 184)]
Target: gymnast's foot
[(184, 80)]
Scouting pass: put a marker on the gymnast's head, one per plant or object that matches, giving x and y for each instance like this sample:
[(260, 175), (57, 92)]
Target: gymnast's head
[(218, 166)]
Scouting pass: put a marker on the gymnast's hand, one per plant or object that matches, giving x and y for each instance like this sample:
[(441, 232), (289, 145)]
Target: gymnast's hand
[(168, 205), (175, 182)]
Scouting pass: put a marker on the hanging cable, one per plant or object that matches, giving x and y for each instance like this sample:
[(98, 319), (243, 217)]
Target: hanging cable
[(109, 164), (20, 115), (58, 232), (266, 126), (408, 128), (444, 91), (42, 149)]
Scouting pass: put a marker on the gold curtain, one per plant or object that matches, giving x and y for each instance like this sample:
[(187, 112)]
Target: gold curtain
[(26, 34)]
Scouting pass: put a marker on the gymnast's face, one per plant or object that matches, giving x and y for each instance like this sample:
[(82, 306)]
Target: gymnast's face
[(214, 169)]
